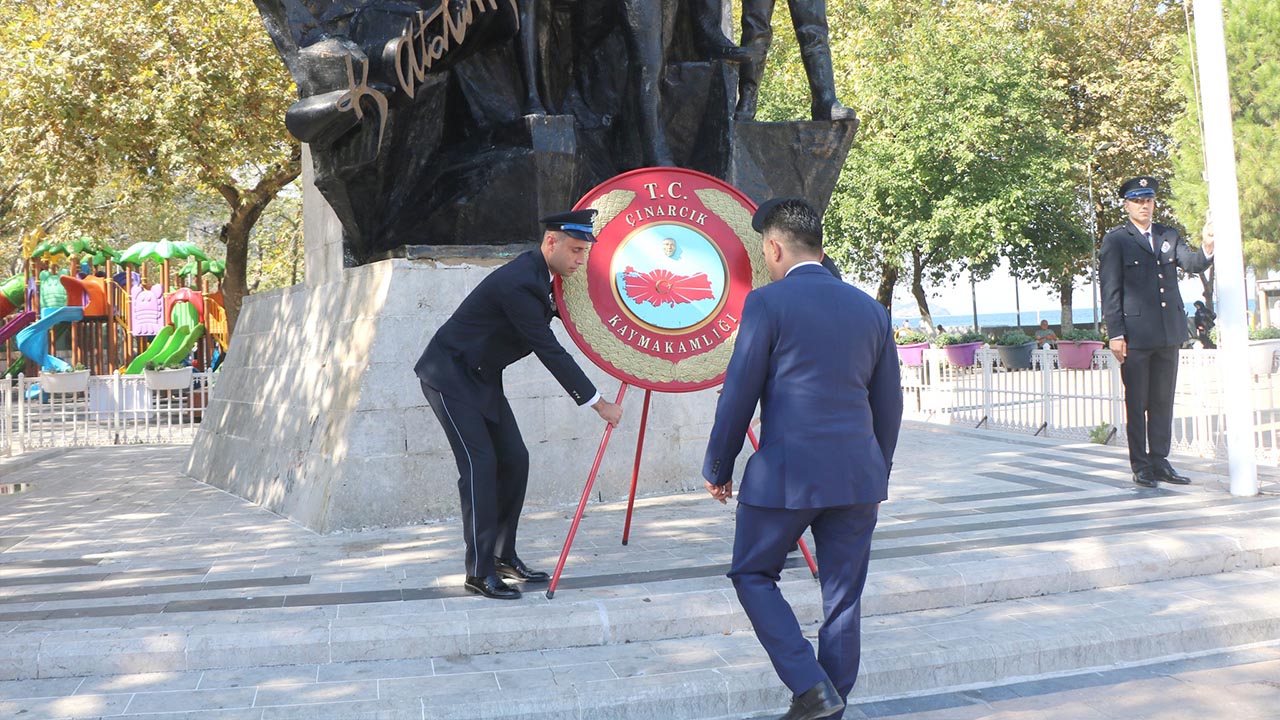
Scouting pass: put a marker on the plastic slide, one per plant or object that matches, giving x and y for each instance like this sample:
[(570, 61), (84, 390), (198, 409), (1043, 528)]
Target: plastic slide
[(33, 340), (184, 340), (8, 332), (19, 321), (18, 367), (157, 344)]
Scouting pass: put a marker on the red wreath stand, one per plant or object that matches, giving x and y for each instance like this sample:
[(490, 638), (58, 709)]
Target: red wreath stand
[(631, 499)]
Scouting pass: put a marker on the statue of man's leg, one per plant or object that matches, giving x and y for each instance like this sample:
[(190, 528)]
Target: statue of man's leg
[(810, 20), (643, 23), (757, 33), (709, 37), (529, 57)]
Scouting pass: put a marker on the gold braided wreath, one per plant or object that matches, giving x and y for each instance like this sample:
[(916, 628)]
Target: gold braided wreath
[(592, 328)]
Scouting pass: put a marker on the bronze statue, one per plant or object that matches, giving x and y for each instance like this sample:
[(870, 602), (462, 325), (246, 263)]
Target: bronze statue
[(810, 20), (429, 125)]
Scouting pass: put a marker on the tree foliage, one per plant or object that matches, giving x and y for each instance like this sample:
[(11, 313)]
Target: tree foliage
[(1252, 30), (984, 126), (955, 149), (141, 99), (1110, 64)]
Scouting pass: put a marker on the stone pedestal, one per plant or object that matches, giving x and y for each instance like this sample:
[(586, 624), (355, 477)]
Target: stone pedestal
[(789, 159), (317, 414)]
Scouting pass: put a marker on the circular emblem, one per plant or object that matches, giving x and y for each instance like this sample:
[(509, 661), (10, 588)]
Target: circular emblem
[(659, 303)]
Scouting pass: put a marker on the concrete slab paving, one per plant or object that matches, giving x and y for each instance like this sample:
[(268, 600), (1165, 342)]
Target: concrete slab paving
[(129, 590)]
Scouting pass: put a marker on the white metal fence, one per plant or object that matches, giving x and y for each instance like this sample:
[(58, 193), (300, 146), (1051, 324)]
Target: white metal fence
[(1045, 400), (1052, 401), (111, 410)]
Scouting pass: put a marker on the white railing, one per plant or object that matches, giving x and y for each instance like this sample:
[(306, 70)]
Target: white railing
[(1052, 401), (112, 410)]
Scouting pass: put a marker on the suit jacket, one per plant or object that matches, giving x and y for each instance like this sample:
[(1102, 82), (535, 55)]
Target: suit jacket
[(505, 318), (819, 356), (1140, 296)]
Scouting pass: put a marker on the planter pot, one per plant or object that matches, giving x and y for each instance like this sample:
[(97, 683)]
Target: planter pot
[(962, 354), (1262, 356), (179, 379), (912, 354), (1078, 354), (1016, 357), (71, 382)]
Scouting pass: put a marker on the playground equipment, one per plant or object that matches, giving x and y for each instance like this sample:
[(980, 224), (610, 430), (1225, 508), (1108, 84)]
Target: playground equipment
[(72, 307)]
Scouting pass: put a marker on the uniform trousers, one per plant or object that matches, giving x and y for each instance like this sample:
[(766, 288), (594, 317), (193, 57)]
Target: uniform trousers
[(1149, 376), (493, 473), (842, 539)]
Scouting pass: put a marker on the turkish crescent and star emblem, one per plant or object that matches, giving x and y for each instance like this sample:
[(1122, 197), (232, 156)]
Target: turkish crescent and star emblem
[(661, 298)]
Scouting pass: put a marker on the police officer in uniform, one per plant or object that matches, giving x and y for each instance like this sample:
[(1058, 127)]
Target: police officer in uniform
[(1138, 269), (505, 318)]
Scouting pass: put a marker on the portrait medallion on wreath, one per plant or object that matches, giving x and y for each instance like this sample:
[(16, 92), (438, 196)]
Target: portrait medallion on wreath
[(659, 303)]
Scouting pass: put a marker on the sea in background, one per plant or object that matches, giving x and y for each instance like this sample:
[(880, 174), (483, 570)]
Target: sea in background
[(1080, 317)]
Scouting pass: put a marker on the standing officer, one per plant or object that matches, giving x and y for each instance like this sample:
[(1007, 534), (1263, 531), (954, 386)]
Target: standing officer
[(810, 20), (1138, 270), (818, 355), (505, 318)]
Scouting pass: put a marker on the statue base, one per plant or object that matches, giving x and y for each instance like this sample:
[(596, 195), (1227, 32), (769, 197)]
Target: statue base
[(318, 416)]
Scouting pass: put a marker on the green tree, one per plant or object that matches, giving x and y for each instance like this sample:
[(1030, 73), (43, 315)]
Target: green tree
[(150, 99), (955, 145), (1252, 30), (1110, 63)]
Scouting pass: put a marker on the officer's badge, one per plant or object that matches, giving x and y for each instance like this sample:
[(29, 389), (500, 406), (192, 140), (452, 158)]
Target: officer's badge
[(1164, 247), (1143, 182)]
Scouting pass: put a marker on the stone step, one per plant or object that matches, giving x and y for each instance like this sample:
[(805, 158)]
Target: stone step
[(720, 675), (583, 614)]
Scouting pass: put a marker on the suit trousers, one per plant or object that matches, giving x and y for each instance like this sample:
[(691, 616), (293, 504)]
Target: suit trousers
[(493, 473), (842, 536), (1150, 377)]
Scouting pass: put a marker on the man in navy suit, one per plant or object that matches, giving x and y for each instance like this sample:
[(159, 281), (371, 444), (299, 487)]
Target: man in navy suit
[(1138, 271), (505, 318), (818, 355)]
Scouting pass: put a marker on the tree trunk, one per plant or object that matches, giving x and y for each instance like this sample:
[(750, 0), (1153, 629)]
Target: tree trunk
[(1065, 291), (246, 208), (1206, 282), (235, 278), (917, 290), (888, 279)]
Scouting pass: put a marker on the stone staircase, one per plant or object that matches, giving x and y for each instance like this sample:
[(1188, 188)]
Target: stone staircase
[(1022, 567)]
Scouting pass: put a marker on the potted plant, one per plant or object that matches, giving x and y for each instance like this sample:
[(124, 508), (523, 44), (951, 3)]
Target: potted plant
[(168, 376), (1015, 348), (911, 346), (1263, 343), (961, 348), (71, 379), (1076, 347)]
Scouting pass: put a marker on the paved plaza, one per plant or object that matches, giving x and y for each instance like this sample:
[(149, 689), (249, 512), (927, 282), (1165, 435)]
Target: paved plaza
[(1012, 577)]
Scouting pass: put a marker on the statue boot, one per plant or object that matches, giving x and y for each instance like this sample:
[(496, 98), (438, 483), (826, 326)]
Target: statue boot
[(822, 85), (749, 74)]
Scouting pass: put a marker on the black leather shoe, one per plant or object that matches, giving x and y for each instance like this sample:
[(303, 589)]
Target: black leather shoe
[(1146, 477), (819, 701), (1166, 474), (491, 586), (515, 569)]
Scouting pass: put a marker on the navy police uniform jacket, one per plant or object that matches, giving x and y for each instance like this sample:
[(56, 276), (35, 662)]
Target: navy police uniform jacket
[(819, 357), (505, 318), (1140, 297)]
